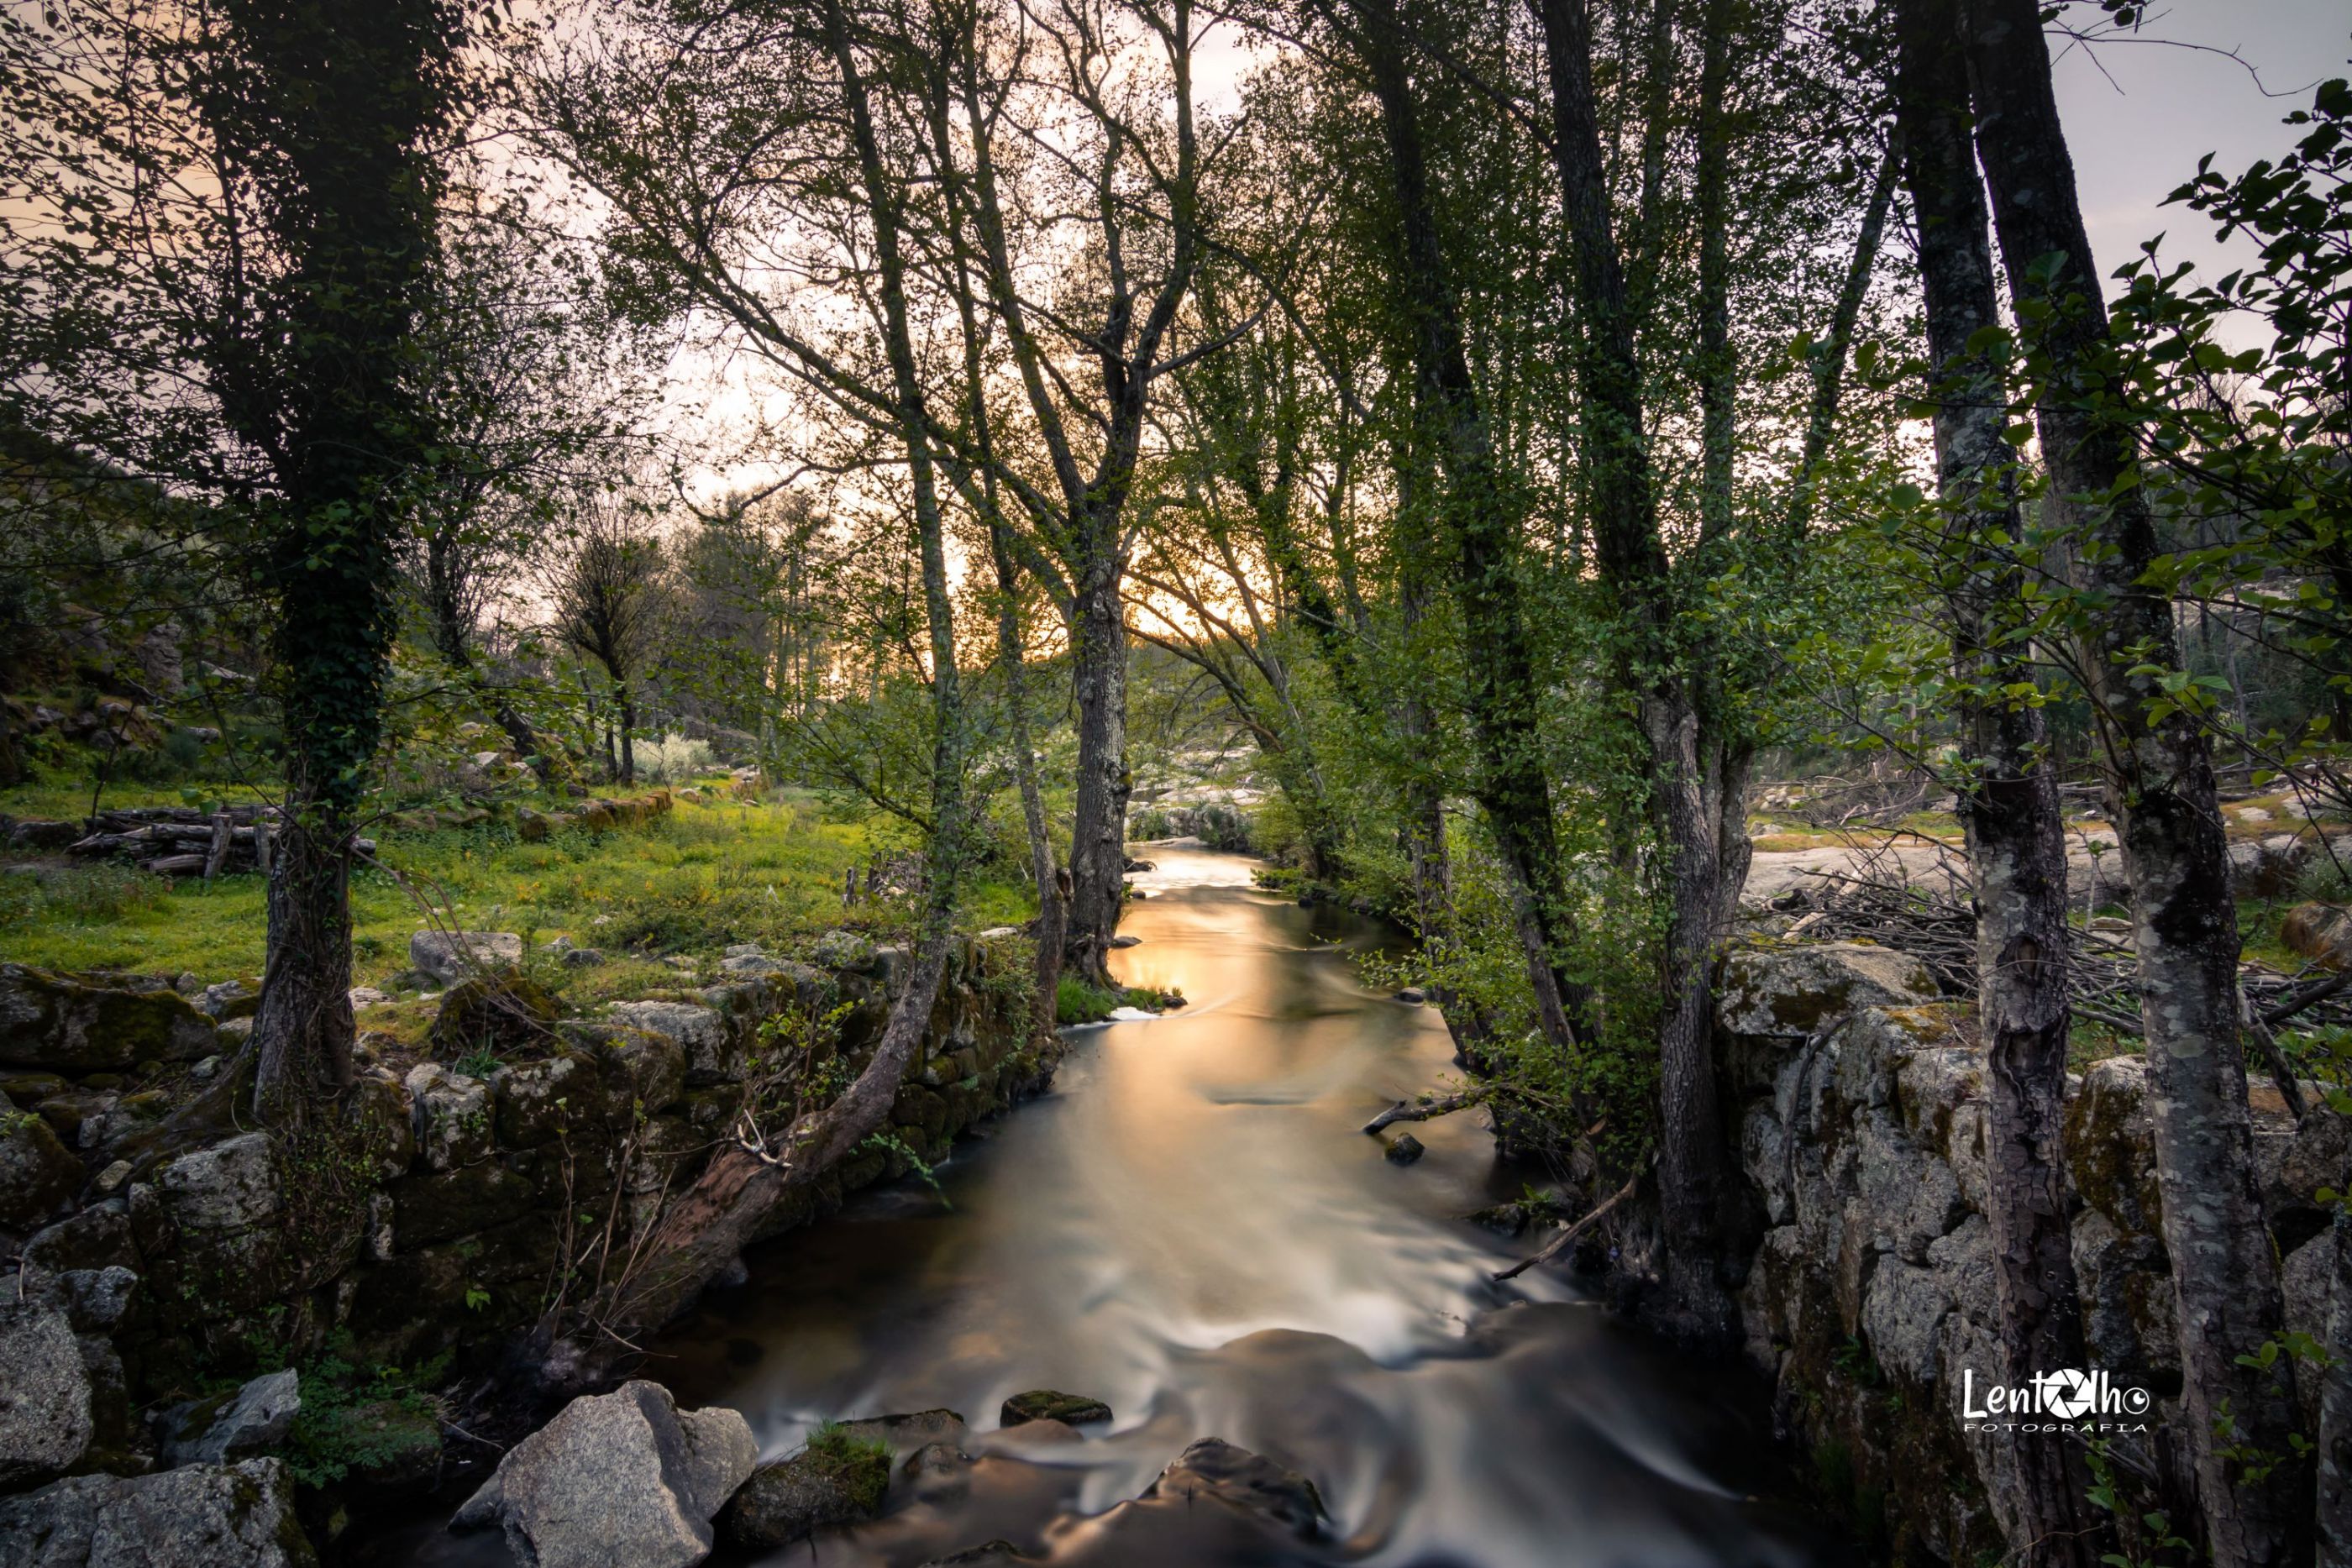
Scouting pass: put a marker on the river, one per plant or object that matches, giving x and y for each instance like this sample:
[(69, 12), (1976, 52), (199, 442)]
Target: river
[(1191, 1227)]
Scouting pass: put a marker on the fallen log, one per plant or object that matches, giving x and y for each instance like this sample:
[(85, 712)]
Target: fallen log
[(1427, 1110)]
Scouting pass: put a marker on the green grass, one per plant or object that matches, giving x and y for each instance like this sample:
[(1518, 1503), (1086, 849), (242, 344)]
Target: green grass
[(1078, 1002), (859, 1466), (690, 883)]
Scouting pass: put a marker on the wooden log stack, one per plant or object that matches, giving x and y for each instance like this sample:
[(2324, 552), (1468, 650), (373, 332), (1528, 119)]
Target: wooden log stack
[(180, 841)]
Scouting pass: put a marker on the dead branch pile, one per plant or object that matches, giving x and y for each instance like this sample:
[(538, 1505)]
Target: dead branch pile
[(1932, 916)]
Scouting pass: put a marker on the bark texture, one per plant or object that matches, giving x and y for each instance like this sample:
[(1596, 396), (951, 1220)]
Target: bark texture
[(2161, 792), (2008, 802)]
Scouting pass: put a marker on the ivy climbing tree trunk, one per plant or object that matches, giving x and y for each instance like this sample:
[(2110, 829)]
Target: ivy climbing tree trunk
[(325, 112), (2161, 792), (2009, 799)]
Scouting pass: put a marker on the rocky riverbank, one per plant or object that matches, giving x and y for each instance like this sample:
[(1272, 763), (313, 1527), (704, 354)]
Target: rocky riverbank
[(218, 1346), (1854, 1103)]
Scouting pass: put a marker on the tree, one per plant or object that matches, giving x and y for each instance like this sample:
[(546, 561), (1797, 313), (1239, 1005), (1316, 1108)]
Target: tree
[(2007, 793), (605, 601), (325, 117), (531, 398), (1688, 787), (2160, 789)]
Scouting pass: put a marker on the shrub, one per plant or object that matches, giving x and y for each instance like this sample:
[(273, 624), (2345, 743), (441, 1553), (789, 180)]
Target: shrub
[(1221, 826), (675, 760)]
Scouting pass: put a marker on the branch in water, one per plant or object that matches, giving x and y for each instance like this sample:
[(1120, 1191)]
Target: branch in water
[(1428, 1110), (1566, 1238)]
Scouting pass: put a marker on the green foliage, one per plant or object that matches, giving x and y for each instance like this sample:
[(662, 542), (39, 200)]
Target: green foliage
[(2146, 1532), (904, 1155), (362, 1420), (1480, 968)]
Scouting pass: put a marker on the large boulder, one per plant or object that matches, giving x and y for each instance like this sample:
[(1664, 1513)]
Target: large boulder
[(1793, 991), (625, 1476), (1233, 1475), (450, 957), (2110, 1145), (65, 1023), (200, 1516), (2321, 931), (44, 1394), (499, 1011), (541, 1100), (839, 1478), (453, 1116)]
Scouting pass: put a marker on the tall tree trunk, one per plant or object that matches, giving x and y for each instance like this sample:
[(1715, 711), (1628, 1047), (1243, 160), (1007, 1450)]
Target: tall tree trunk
[(628, 706), (1684, 803), (329, 110), (1481, 527), (1829, 354), (2008, 802), (1052, 915), (2161, 792), (304, 1028), (1099, 834)]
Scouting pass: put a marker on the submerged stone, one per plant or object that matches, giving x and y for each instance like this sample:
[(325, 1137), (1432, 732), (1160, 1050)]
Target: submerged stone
[(1233, 1474), (1051, 1405)]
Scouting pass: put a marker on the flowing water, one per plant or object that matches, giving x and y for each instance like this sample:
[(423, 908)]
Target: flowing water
[(1191, 1227)]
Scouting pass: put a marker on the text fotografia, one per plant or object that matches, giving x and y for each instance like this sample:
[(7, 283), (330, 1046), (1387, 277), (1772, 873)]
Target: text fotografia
[(2065, 1401)]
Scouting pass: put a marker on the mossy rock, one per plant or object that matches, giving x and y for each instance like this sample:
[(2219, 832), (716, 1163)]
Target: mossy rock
[(838, 1478), (75, 1024), (38, 1175), (502, 1013)]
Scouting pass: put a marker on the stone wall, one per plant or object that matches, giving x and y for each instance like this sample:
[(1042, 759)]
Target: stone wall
[(1855, 1096), (445, 1213)]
